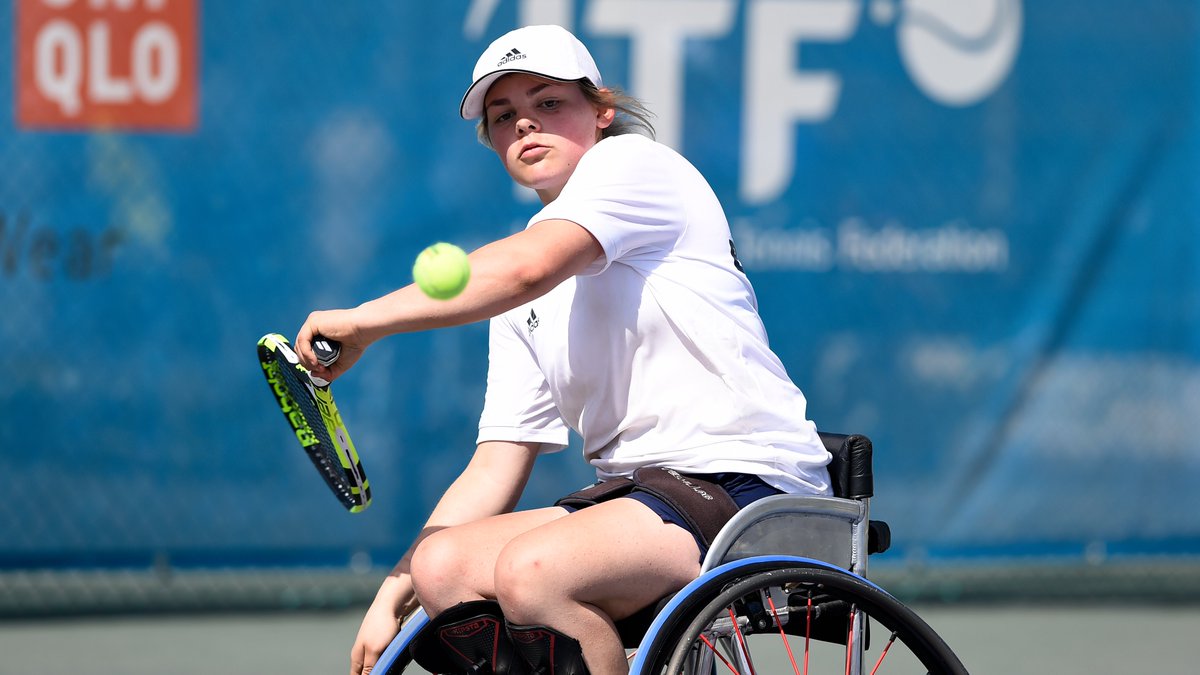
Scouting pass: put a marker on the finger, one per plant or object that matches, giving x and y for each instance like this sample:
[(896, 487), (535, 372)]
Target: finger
[(372, 658), (303, 344)]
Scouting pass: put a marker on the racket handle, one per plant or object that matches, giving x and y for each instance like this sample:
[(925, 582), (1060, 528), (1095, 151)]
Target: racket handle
[(327, 350)]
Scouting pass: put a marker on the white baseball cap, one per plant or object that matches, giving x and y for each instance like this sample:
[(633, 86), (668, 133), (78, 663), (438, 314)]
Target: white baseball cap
[(546, 51)]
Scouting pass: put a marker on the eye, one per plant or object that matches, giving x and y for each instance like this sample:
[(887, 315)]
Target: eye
[(550, 103), (502, 117)]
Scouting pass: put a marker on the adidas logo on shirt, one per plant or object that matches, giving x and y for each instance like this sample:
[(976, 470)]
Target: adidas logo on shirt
[(512, 55)]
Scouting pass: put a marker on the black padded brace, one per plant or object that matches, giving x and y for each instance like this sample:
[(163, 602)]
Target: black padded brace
[(705, 505), (467, 638), (596, 493), (547, 651)]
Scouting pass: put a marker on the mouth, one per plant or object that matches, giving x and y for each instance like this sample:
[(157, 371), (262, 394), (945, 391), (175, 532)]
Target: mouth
[(532, 151)]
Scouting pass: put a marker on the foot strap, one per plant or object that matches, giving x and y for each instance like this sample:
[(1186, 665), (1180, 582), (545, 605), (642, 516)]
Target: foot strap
[(469, 638), (547, 651)]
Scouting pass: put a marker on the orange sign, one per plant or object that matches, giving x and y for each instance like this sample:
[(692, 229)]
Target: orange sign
[(86, 64)]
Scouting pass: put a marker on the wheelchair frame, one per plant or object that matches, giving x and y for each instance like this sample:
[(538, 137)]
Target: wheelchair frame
[(798, 536)]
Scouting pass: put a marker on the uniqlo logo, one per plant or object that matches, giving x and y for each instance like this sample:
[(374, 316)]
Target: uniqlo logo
[(108, 64)]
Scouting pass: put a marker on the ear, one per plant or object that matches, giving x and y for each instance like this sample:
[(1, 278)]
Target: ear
[(605, 117), (605, 114)]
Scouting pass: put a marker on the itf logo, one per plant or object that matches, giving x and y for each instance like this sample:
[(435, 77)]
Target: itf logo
[(956, 51)]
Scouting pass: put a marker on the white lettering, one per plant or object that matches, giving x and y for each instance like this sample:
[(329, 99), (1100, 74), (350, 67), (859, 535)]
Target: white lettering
[(120, 5), (535, 12), (659, 30), (951, 248), (893, 248), (156, 41), (59, 43), (59, 62), (778, 97), (102, 86), (807, 248)]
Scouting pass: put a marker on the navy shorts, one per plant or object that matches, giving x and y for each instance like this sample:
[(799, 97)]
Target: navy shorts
[(743, 488)]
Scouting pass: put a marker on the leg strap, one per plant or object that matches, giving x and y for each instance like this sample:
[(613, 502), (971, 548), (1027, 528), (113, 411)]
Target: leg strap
[(468, 638), (547, 651), (705, 505), (596, 493)]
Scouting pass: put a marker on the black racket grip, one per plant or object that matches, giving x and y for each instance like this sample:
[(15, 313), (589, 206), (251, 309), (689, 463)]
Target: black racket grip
[(327, 350)]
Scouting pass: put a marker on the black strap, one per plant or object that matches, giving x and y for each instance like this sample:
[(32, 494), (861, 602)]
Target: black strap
[(705, 505), (599, 492), (467, 638), (547, 651)]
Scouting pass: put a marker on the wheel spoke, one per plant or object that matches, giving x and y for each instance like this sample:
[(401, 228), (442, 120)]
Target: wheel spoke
[(791, 658), (737, 629), (718, 654), (738, 615), (850, 639), (883, 654)]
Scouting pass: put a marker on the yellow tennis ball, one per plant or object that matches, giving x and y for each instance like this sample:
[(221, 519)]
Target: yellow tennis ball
[(442, 271)]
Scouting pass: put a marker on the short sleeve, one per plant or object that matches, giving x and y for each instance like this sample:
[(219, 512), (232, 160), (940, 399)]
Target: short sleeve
[(622, 193), (517, 406)]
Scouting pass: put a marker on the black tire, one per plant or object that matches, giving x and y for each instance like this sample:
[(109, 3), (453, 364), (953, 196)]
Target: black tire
[(819, 601)]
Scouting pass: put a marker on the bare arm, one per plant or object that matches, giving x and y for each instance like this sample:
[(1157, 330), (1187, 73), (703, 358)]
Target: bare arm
[(504, 274), (490, 485)]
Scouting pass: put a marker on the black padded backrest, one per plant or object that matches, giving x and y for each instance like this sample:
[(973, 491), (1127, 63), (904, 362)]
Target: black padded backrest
[(850, 469)]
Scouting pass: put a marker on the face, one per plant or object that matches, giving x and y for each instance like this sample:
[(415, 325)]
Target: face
[(541, 128)]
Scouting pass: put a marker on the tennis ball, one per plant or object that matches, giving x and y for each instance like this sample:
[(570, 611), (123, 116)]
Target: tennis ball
[(442, 271)]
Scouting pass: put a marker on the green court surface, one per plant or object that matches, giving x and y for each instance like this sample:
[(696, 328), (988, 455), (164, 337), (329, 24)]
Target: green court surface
[(1017, 638)]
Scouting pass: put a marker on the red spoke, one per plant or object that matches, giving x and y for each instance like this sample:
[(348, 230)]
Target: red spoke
[(775, 614), (883, 653), (850, 640), (741, 639), (719, 654)]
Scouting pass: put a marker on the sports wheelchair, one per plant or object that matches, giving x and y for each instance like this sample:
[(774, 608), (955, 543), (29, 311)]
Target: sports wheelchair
[(783, 588)]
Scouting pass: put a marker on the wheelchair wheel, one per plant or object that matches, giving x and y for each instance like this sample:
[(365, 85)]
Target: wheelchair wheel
[(397, 658), (794, 616)]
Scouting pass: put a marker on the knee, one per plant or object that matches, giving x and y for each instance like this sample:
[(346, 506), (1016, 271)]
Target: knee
[(526, 583), (436, 569)]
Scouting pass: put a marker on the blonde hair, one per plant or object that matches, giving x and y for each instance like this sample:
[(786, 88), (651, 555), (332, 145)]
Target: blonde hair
[(633, 117)]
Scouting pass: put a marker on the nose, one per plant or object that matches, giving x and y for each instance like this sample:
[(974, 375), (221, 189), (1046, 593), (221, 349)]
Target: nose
[(526, 126)]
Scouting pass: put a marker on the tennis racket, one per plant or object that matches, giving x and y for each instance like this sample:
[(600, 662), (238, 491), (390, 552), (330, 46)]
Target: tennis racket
[(308, 406)]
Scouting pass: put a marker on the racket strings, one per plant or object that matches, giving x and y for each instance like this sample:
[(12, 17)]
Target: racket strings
[(326, 458)]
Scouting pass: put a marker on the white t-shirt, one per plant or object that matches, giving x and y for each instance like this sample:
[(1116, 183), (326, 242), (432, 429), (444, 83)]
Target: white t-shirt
[(656, 354)]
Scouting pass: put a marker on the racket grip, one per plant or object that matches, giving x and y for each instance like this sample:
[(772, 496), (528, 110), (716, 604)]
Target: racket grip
[(327, 350)]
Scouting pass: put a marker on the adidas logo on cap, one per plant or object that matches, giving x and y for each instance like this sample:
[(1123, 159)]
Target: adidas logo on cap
[(512, 55)]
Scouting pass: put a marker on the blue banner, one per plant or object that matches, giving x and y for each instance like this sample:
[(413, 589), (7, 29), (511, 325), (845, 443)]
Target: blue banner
[(971, 226)]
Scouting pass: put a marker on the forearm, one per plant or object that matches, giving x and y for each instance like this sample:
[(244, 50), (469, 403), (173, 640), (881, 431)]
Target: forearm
[(490, 485), (504, 274)]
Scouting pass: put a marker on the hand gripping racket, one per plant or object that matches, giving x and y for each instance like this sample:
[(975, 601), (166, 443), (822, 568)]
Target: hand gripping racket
[(308, 406)]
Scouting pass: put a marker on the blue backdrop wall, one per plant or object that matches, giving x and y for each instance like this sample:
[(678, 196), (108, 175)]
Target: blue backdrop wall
[(971, 226)]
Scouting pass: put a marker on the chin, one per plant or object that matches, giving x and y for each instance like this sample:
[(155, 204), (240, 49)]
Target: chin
[(537, 181)]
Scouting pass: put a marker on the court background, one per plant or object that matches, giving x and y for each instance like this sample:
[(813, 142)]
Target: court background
[(970, 225)]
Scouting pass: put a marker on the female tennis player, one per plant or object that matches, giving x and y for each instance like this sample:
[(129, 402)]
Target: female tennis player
[(621, 312)]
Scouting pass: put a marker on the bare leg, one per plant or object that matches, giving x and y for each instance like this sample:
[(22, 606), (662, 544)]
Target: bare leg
[(457, 564), (576, 574)]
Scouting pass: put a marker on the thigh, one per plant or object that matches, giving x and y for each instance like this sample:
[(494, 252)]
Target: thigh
[(618, 556), (458, 563)]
